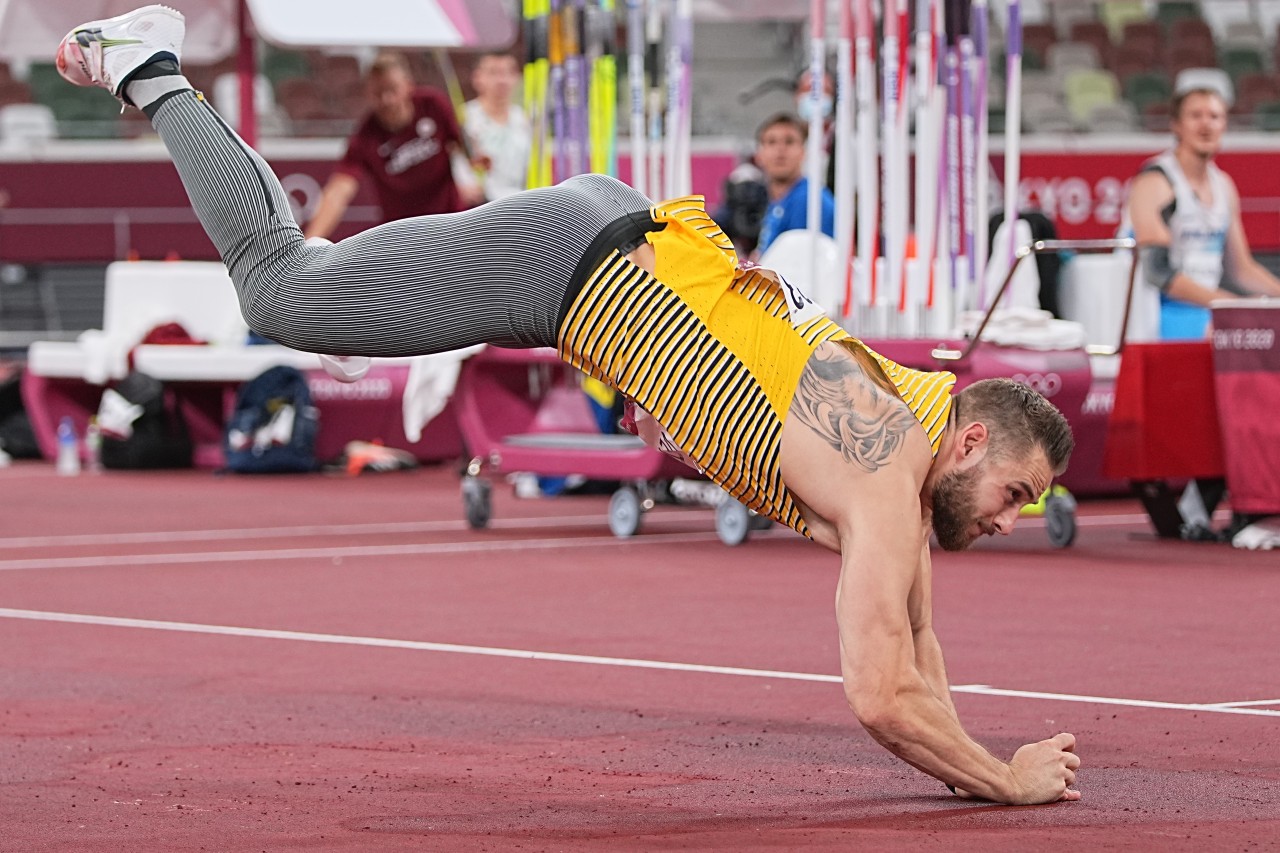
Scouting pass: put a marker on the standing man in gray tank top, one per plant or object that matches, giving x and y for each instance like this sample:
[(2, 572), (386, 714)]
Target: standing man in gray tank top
[(1185, 214)]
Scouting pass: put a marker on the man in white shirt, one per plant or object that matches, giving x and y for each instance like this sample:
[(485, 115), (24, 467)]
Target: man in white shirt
[(496, 126)]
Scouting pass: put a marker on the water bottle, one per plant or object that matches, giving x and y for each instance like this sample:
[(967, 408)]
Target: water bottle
[(93, 446), (68, 462)]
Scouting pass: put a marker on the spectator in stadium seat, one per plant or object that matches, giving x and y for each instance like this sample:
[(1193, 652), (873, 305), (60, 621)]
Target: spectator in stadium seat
[(403, 146), (1185, 214)]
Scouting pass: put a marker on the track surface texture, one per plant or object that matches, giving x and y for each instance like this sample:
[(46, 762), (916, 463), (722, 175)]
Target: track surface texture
[(323, 662)]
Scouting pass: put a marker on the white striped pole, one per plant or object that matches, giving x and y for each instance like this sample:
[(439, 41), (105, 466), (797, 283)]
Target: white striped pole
[(635, 88), (846, 170), (982, 181), (868, 179), (813, 153), (1012, 125)]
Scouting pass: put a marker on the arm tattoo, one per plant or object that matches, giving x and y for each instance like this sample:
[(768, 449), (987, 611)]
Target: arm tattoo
[(841, 401)]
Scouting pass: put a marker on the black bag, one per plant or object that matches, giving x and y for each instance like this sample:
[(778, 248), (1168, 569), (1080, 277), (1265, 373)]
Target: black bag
[(159, 438), (16, 436), (274, 425)]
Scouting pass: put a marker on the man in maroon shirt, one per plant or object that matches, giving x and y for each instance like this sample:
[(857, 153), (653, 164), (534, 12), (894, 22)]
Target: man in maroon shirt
[(404, 146)]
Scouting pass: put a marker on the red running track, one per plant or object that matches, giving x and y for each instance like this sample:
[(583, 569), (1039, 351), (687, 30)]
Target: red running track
[(194, 662)]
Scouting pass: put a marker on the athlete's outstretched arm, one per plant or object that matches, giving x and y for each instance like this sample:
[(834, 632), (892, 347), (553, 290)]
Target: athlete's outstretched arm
[(928, 650), (854, 454)]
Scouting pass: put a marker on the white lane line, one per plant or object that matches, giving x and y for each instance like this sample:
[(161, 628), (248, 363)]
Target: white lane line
[(476, 546), (1246, 704), (392, 527), (375, 528), (983, 690), (526, 654)]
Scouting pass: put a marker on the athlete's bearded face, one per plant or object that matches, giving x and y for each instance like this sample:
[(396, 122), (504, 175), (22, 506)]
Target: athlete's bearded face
[(985, 498), (955, 514)]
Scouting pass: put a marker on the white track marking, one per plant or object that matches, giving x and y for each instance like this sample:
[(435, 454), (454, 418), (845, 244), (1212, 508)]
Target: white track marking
[(1246, 704), (526, 654), (376, 528), (473, 546), (393, 527), (1229, 708)]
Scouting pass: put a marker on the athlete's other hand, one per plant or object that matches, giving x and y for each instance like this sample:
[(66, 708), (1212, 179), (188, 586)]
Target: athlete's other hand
[(1044, 772)]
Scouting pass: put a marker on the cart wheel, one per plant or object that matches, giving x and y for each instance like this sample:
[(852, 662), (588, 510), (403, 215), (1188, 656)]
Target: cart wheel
[(624, 512), (760, 522), (733, 522), (1060, 519), (476, 504)]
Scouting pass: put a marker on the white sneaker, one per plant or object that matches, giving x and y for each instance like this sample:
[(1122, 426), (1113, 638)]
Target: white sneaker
[(106, 53)]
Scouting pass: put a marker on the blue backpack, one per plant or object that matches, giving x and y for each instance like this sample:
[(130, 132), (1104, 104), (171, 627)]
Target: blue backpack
[(274, 425)]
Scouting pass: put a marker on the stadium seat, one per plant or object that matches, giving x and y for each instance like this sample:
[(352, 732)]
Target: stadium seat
[(1087, 89), (1117, 14), (1189, 55), (1067, 15), (340, 74), (1143, 90), (1239, 61), (279, 65), (1267, 116), (1094, 33), (1243, 34), (1116, 117), (1253, 90), (1041, 83), (1168, 11), (1038, 37), (85, 114), (25, 123), (1067, 56), (1139, 46), (1181, 29), (1043, 113), (14, 92)]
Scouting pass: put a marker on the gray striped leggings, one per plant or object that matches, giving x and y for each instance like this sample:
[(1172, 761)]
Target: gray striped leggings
[(494, 274)]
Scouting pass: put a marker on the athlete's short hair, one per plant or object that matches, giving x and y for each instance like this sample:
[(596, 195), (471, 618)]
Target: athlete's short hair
[(1018, 419), (789, 119), (1179, 98), (388, 61)]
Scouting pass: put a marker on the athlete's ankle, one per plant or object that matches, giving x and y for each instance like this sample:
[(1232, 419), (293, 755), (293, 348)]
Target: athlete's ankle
[(155, 82)]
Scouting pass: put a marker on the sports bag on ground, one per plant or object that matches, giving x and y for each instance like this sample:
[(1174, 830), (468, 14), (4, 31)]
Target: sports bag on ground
[(141, 427), (274, 425)]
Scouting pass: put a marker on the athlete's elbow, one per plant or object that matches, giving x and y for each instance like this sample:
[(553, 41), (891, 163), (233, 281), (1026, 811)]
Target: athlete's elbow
[(877, 709)]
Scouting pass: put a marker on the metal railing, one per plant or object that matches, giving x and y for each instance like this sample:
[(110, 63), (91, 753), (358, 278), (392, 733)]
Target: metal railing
[(1039, 247)]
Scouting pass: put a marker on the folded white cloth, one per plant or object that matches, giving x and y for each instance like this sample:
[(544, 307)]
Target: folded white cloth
[(1030, 328), (432, 379), (1262, 535)]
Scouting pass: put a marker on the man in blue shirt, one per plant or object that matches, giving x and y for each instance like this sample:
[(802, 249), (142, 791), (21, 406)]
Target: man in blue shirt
[(780, 150)]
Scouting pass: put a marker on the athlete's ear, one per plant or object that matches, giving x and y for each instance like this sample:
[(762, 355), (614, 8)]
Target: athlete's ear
[(974, 441)]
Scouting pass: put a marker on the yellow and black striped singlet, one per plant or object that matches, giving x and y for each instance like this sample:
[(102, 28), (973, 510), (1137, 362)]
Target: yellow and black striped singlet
[(710, 349)]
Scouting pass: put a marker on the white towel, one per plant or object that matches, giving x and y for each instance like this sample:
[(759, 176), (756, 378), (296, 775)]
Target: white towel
[(1030, 328), (432, 379)]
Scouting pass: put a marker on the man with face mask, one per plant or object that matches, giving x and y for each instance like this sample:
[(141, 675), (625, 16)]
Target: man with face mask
[(740, 372), (827, 111)]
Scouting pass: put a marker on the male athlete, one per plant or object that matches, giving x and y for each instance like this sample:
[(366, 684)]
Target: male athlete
[(766, 395)]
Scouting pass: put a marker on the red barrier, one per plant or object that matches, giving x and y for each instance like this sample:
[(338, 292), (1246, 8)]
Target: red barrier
[(1246, 361), (1164, 425)]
